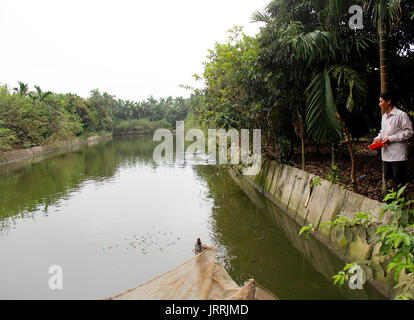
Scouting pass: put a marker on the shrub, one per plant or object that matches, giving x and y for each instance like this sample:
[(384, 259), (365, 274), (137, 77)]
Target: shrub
[(7, 139)]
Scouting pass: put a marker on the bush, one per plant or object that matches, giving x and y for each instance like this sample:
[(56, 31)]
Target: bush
[(7, 139), (142, 126)]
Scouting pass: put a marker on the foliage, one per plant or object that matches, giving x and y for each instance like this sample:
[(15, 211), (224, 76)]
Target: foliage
[(307, 229), (334, 175), (235, 85), (321, 111), (396, 239), (361, 219), (343, 275), (316, 181), (30, 118), (141, 126), (307, 74), (7, 138)]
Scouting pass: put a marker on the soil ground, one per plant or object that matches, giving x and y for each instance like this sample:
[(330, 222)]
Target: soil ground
[(368, 166)]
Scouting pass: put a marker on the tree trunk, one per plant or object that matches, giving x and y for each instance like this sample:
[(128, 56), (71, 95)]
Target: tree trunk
[(333, 158), (302, 139), (383, 56), (350, 149), (383, 78), (302, 132)]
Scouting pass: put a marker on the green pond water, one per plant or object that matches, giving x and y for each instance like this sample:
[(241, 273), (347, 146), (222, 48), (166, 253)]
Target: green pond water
[(112, 219)]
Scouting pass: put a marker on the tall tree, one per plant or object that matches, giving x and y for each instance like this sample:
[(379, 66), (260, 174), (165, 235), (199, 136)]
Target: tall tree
[(22, 90), (319, 47), (385, 14), (39, 94)]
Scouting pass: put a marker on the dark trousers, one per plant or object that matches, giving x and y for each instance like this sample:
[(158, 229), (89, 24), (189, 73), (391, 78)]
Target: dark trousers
[(396, 171)]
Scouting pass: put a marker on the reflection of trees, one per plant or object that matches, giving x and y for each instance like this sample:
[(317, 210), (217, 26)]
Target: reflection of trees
[(255, 247), (44, 183), (133, 150)]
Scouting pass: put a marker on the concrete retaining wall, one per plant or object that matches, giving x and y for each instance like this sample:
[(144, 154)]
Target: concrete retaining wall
[(12, 156), (290, 189)]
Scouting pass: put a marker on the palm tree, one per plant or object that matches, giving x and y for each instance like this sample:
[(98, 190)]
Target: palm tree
[(328, 55), (22, 90), (322, 117), (40, 95), (385, 14), (259, 16), (94, 93)]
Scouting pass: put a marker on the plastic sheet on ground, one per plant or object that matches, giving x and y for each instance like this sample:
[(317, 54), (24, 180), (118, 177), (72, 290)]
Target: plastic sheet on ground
[(200, 278)]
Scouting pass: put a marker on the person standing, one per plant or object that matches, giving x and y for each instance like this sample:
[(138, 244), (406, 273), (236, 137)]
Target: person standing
[(396, 129)]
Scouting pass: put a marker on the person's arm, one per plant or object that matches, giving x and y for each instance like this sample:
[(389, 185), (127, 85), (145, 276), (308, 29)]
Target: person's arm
[(406, 130)]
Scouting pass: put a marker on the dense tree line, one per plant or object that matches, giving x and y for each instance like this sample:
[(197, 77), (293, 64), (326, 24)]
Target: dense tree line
[(30, 118), (307, 76)]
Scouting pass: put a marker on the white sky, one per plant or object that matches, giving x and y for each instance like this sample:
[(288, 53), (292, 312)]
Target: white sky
[(132, 49)]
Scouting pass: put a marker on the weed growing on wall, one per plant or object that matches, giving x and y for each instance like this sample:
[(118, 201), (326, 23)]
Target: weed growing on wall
[(396, 240)]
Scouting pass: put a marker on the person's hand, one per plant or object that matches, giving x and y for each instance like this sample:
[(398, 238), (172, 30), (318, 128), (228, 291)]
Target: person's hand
[(385, 140)]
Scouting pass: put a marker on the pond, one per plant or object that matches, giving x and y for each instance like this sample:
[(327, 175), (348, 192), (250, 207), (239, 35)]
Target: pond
[(113, 219)]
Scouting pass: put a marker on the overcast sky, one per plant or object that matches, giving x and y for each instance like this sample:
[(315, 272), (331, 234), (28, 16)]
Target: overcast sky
[(132, 49)]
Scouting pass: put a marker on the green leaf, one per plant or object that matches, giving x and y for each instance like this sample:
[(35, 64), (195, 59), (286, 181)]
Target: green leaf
[(400, 191), (326, 224), (303, 229), (356, 85), (321, 110)]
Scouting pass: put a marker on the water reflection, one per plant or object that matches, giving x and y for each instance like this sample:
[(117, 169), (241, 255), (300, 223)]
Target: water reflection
[(46, 182), (114, 219), (263, 243)]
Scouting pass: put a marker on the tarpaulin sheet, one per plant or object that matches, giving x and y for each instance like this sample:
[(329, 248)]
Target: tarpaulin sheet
[(200, 278)]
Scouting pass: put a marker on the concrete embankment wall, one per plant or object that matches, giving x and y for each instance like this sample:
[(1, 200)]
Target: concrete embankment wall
[(12, 156), (291, 190)]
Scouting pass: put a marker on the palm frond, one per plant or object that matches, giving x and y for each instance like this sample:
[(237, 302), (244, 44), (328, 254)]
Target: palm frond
[(335, 12), (363, 43), (315, 45), (258, 16), (357, 88), (39, 90), (320, 120), (388, 12)]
